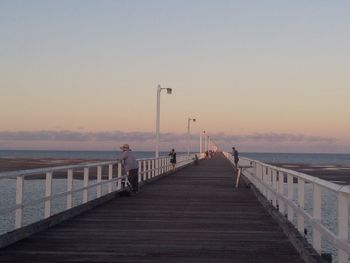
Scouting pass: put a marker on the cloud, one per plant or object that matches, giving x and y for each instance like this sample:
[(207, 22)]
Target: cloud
[(65, 135), (86, 136), (276, 138), (66, 139)]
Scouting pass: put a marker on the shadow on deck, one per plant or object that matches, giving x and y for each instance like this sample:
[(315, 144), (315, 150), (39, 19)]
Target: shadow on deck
[(194, 215)]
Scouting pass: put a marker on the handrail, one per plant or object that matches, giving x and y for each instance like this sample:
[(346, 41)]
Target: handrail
[(270, 181), (27, 172), (148, 169)]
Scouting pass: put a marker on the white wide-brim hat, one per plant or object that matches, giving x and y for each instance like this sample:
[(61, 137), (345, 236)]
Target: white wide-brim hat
[(125, 146)]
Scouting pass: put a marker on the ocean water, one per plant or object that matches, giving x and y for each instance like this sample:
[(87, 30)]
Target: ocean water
[(35, 189), (305, 158), (302, 158)]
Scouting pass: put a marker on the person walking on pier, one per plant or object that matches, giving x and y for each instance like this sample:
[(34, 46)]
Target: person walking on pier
[(235, 156), (130, 166), (172, 155)]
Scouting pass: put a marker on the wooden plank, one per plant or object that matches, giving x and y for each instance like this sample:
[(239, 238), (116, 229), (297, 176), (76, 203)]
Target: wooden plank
[(193, 215)]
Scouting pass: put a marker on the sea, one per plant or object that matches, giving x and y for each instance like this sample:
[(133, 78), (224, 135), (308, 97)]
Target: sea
[(300, 158)]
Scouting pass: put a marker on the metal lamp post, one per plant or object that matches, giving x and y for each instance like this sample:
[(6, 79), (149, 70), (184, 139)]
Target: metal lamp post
[(206, 143), (169, 91), (200, 142), (188, 134)]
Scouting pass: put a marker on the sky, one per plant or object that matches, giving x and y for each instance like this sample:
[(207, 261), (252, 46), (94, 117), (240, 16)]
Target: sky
[(264, 76)]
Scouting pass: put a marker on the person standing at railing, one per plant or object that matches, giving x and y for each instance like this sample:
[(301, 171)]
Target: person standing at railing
[(172, 155), (130, 166), (235, 156)]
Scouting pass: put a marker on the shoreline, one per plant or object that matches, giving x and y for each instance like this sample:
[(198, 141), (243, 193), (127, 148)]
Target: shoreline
[(335, 173)]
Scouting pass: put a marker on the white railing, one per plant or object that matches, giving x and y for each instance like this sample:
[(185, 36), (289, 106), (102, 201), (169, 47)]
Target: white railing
[(108, 174), (306, 201)]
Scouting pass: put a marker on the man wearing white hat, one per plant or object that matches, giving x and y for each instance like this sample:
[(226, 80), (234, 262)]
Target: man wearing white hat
[(130, 166)]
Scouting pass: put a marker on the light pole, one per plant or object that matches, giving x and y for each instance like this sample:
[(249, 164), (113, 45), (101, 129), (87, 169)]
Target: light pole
[(206, 143), (188, 134), (200, 142), (159, 89)]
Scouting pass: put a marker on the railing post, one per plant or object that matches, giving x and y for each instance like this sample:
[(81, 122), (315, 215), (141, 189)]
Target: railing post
[(268, 182), (166, 165), (301, 203), (343, 225), (290, 197), (257, 176), (149, 173), (157, 167), (274, 187), (161, 166), (316, 240), (153, 168), (69, 188), (110, 177), (265, 180), (85, 184), (281, 207), (99, 180), (144, 173), (139, 173), (262, 188), (119, 174), (48, 191), (19, 199)]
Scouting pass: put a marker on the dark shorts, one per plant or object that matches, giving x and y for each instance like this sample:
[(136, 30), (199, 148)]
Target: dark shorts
[(134, 179)]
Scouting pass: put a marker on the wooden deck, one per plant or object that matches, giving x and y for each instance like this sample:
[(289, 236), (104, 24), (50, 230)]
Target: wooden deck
[(194, 215)]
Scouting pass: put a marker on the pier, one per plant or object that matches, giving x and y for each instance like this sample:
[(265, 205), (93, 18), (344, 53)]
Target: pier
[(195, 214)]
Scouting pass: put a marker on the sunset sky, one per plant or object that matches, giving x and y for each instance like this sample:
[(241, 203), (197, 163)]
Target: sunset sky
[(265, 76)]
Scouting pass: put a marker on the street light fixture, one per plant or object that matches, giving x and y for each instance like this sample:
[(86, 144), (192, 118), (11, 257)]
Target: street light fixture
[(188, 134), (169, 91)]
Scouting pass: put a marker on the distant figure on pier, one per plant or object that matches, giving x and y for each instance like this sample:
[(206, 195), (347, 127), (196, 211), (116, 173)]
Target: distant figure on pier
[(172, 155), (235, 156), (130, 166), (196, 160)]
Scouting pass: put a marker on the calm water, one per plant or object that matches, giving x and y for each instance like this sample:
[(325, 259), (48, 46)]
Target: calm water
[(35, 189), (307, 158)]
